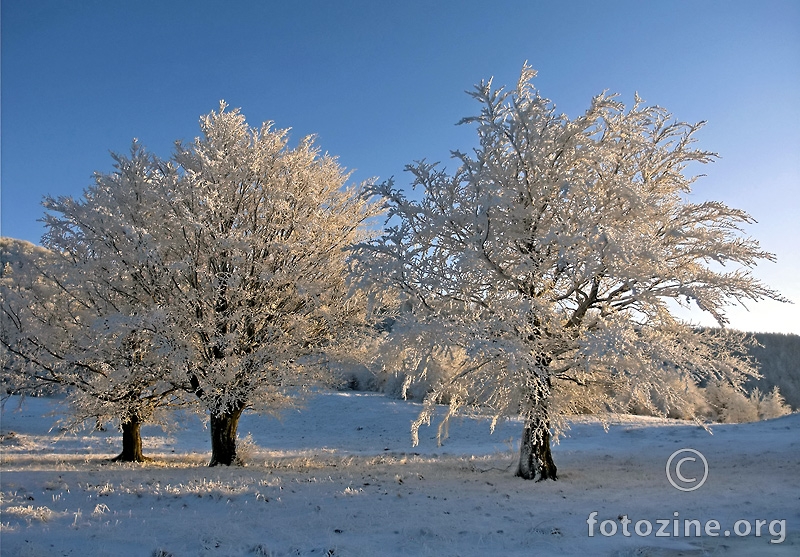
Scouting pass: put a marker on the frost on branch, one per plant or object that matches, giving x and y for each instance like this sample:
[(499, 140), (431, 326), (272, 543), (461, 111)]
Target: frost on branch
[(548, 258)]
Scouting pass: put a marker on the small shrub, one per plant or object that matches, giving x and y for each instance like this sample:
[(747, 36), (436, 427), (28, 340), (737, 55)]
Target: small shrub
[(771, 405), (245, 449)]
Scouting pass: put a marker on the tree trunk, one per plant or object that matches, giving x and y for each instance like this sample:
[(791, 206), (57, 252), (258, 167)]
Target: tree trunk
[(131, 442), (223, 437), (535, 458)]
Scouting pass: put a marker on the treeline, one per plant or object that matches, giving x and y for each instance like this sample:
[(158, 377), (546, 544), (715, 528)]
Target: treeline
[(778, 357), (774, 394)]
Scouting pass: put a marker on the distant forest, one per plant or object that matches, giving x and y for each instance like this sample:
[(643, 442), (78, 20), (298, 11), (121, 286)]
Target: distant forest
[(779, 362)]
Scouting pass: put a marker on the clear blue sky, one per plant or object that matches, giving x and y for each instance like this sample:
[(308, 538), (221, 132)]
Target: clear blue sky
[(382, 84)]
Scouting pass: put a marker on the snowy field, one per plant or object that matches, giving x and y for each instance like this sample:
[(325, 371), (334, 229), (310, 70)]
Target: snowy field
[(341, 478)]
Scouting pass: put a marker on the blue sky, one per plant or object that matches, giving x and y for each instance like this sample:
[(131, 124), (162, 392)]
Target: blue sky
[(382, 84)]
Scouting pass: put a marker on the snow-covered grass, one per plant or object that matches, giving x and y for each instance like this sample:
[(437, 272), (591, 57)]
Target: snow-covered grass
[(341, 478)]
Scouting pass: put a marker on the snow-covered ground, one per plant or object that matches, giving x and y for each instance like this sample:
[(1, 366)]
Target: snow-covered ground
[(341, 478)]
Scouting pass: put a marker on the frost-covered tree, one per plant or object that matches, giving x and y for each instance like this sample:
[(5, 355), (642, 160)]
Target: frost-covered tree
[(86, 311), (115, 267), (546, 264), (69, 323), (259, 240)]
